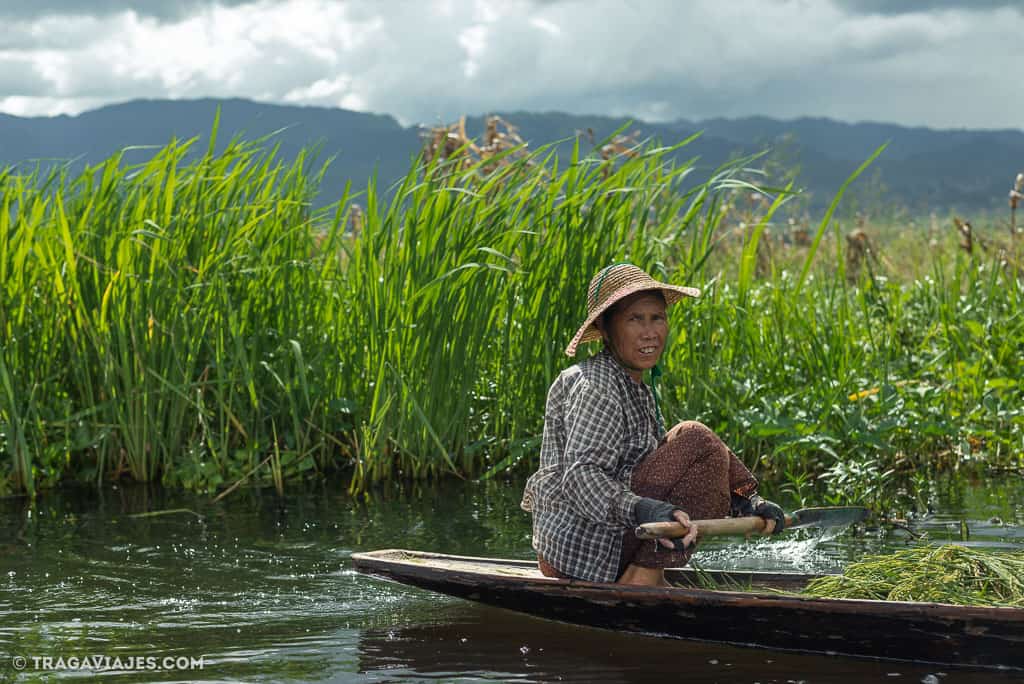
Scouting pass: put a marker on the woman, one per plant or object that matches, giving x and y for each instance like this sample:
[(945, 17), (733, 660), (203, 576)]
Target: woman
[(606, 463)]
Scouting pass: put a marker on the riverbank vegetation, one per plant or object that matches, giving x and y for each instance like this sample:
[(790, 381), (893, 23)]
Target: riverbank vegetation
[(193, 320)]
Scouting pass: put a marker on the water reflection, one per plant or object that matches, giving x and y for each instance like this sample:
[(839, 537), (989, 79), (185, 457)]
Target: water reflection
[(490, 644), (262, 589)]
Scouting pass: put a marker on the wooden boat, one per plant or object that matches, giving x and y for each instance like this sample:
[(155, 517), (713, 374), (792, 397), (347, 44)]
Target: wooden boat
[(753, 611)]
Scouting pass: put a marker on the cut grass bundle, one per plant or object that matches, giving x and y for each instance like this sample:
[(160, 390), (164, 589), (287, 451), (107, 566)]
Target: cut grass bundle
[(936, 574)]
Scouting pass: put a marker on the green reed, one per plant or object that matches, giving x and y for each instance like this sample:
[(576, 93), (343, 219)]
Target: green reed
[(143, 306), (460, 295), (193, 320)]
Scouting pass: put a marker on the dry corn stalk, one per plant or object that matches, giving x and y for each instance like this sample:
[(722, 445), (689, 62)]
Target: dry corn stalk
[(1016, 195), (1003, 252), (356, 219), (798, 234), (858, 249), (619, 146), (497, 140), (764, 255), (451, 143), (966, 234), (445, 142)]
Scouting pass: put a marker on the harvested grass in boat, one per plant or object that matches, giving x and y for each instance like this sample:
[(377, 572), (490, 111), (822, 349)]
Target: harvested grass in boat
[(939, 574)]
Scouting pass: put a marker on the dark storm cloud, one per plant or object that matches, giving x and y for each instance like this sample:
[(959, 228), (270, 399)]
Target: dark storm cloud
[(160, 10), (911, 6)]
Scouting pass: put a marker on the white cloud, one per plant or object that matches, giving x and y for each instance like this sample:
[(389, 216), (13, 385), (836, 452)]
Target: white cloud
[(324, 88), (425, 61), (474, 41), (548, 27), (19, 105)]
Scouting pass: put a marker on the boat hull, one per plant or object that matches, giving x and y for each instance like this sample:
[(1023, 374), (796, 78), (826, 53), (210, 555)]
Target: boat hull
[(920, 632)]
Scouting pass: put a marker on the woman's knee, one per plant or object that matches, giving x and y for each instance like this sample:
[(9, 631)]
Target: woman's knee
[(696, 438), (692, 430), (689, 445)]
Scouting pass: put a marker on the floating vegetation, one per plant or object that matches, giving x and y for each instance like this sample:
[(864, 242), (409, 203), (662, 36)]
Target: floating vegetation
[(937, 574)]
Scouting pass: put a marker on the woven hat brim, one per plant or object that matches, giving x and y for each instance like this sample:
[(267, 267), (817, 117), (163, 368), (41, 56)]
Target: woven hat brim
[(589, 333)]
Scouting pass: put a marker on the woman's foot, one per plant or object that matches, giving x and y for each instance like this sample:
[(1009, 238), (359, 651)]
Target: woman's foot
[(645, 577)]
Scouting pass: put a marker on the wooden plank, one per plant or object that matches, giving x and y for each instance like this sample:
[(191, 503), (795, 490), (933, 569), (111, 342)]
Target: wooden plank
[(528, 568)]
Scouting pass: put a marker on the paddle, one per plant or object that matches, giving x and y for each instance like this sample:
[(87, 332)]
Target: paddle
[(835, 516)]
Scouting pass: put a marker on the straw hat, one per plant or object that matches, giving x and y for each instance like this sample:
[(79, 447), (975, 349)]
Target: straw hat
[(613, 283)]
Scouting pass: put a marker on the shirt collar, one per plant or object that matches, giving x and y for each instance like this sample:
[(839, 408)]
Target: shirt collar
[(609, 358)]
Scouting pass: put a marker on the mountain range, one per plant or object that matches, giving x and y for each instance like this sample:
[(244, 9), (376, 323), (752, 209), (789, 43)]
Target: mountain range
[(922, 170)]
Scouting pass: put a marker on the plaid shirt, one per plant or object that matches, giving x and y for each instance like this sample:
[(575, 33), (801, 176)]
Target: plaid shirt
[(598, 425)]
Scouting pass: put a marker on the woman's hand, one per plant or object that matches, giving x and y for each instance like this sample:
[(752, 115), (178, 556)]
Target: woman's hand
[(654, 510), (772, 513), (691, 532), (774, 518)]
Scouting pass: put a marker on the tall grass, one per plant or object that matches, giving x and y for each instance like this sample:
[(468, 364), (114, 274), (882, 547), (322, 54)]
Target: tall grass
[(147, 309), (459, 296), (193, 320)]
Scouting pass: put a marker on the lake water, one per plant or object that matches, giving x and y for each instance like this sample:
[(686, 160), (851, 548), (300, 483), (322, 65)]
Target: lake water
[(257, 588)]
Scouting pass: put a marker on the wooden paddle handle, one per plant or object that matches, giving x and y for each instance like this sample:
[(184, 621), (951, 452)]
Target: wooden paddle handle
[(705, 528)]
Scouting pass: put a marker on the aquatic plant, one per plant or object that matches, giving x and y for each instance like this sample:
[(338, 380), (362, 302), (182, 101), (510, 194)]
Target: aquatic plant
[(939, 574), (192, 319)]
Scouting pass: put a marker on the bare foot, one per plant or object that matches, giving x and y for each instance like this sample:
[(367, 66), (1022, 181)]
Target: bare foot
[(645, 577)]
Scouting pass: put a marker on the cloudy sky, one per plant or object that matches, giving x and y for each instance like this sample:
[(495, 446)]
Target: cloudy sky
[(940, 63)]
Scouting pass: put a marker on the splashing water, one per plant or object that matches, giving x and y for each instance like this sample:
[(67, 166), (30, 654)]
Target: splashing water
[(811, 551)]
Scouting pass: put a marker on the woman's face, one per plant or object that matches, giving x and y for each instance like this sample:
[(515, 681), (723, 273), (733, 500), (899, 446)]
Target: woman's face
[(636, 331)]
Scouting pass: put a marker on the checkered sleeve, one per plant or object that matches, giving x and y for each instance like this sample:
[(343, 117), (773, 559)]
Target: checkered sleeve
[(595, 439)]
